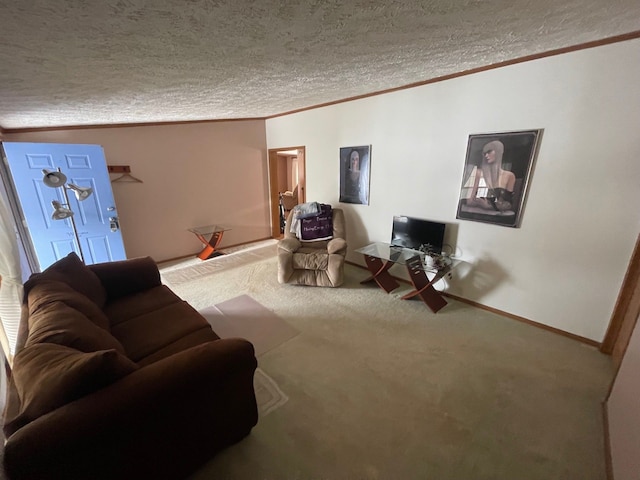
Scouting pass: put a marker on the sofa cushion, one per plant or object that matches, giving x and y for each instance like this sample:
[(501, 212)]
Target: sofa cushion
[(48, 376), (56, 322), (74, 273), (132, 306), (126, 277), (53, 291), (146, 334), (193, 339)]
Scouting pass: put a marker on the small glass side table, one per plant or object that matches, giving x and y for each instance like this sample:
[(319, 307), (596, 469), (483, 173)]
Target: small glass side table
[(214, 232)]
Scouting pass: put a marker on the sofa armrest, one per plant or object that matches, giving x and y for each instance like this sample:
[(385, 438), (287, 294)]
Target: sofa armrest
[(161, 421), (337, 245), (290, 245), (126, 277)]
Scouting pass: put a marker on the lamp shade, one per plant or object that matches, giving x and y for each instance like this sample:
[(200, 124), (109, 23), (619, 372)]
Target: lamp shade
[(54, 179), (82, 193), (60, 212)]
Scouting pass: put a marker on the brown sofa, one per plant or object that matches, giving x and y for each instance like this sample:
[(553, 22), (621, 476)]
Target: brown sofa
[(115, 377)]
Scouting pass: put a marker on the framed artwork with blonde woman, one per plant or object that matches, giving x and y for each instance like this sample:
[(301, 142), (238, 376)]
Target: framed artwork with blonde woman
[(496, 176), (354, 174)]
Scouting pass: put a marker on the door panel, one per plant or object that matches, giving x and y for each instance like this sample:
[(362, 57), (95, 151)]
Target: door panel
[(98, 248), (93, 239)]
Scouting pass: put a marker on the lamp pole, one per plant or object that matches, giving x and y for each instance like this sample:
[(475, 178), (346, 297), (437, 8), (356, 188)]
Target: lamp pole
[(73, 221)]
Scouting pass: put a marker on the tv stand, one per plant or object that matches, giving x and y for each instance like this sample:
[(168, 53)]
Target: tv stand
[(380, 257)]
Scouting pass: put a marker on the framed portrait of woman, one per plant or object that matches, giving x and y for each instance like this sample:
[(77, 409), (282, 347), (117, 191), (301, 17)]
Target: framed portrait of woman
[(496, 176), (354, 174)]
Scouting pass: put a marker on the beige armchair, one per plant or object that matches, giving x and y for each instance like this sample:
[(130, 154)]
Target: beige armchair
[(318, 263), (290, 199)]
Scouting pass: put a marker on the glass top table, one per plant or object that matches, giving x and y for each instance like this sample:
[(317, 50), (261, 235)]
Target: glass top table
[(380, 257), (214, 232), (403, 255), (386, 251)]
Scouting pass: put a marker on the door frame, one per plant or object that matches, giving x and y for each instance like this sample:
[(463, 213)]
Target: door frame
[(274, 180), (626, 312), (25, 246)]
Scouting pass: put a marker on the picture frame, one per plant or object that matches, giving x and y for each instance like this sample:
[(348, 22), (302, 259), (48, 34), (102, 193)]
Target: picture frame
[(355, 174), (496, 176)]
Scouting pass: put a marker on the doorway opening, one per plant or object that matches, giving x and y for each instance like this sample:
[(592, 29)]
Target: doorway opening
[(287, 184)]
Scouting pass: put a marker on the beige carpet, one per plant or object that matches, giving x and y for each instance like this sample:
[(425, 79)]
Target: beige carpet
[(268, 395), (186, 270), (243, 317), (381, 388)]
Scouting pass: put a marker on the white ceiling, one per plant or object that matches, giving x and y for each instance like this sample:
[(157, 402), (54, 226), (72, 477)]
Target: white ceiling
[(90, 62)]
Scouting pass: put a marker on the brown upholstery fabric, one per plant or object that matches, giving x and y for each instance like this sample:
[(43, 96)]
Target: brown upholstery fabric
[(127, 277), (53, 291), (148, 333), (96, 414), (58, 323), (74, 273), (160, 422), (132, 306), (193, 339), (48, 376), (318, 263)]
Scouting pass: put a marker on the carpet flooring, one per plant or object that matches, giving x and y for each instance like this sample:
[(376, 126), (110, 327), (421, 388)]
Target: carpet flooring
[(243, 317), (381, 388)]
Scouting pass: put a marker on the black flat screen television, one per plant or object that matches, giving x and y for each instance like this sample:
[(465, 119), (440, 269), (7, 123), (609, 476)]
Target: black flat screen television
[(409, 232)]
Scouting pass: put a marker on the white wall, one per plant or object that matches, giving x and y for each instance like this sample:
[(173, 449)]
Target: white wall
[(564, 266)]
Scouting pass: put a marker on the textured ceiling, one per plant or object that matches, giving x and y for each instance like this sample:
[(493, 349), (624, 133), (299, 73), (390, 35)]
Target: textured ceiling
[(90, 62)]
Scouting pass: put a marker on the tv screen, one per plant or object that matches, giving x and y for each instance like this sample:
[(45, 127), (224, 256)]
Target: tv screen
[(412, 232)]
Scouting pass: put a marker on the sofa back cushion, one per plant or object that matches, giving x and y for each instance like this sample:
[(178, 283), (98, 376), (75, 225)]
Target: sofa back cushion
[(48, 376), (77, 275), (53, 291), (56, 322), (127, 277)]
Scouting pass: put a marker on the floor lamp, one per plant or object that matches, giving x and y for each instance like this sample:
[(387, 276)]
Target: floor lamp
[(62, 211)]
